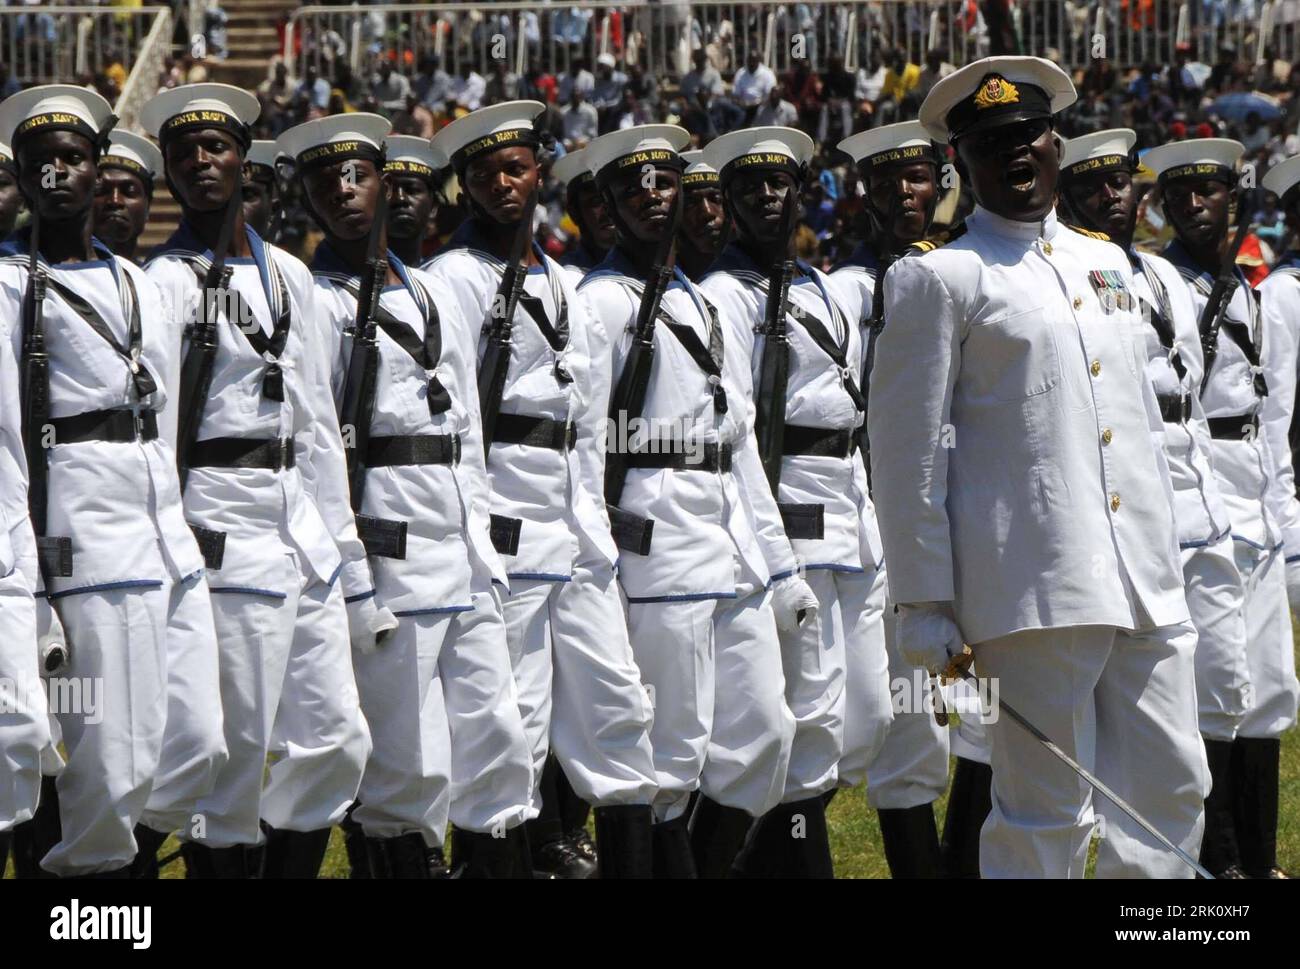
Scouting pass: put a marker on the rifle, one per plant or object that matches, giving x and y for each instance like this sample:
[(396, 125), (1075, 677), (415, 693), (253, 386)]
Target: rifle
[(1217, 303), (54, 554), (196, 371), (496, 356), (358, 405), (774, 373), (631, 532)]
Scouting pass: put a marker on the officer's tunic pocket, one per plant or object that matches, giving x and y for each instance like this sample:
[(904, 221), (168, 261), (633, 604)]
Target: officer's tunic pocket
[(1012, 357)]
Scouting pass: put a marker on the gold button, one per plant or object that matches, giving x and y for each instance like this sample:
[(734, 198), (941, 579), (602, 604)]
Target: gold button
[(1096, 368), (1078, 301), (1114, 502), (1047, 248), (1106, 436)]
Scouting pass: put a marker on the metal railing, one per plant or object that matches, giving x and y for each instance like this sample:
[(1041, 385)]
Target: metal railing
[(660, 35), (43, 45), (142, 83)]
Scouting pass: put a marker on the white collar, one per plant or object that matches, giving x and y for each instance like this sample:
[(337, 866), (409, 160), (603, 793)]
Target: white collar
[(985, 221)]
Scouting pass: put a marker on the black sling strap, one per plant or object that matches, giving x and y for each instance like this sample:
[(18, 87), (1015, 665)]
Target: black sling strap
[(273, 381), (708, 360), (140, 375), (1162, 315)]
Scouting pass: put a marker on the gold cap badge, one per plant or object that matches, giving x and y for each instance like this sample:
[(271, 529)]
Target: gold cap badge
[(996, 90)]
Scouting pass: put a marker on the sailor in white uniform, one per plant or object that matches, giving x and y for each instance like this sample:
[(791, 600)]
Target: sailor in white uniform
[(1024, 506), (817, 479), (1097, 194), (267, 493), (899, 167), (263, 207), (702, 619), (705, 226), (414, 195), (113, 494), (1258, 739), (580, 692), (437, 693), (587, 209), (127, 174)]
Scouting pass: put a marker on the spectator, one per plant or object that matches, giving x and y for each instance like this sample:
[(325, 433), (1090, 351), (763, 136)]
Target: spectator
[(432, 84), (936, 68), (1254, 135), (389, 89), (215, 22), (805, 90), (468, 91), (503, 85), (753, 82), (415, 118), (776, 110), (837, 88), (645, 89), (709, 117), (901, 79), (580, 122), (275, 95), (701, 75), (607, 93), (577, 76), (313, 90)]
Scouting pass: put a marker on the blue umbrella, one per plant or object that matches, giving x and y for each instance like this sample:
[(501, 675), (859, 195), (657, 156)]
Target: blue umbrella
[(1238, 104)]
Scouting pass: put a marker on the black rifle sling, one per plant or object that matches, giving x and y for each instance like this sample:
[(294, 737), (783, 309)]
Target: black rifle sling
[(273, 380), (426, 352), (709, 359), (1162, 314), (140, 375)]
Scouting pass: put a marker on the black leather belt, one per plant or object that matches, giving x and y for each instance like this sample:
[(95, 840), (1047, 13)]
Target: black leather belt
[(817, 442), (1243, 428), (1175, 408), (114, 426), (713, 459), (386, 452), (240, 452), (535, 432)]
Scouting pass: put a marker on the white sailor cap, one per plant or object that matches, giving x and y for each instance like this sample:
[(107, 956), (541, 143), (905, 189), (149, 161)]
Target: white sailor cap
[(995, 91), (55, 107), (337, 138), (7, 158), (1282, 178), (135, 154), (411, 155), (766, 148), (572, 168), (194, 106), (1101, 151), (905, 143), (489, 129), (699, 173), (1197, 157), (264, 154), (631, 148)]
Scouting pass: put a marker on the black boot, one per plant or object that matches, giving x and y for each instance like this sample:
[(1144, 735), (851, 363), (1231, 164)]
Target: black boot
[(1219, 853), (1256, 762), (717, 835), (553, 853), (436, 863), (624, 839), (354, 840), (376, 862), (404, 856), (147, 843), (574, 812), (4, 851), (670, 849), (32, 840), (205, 862), (789, 841), (478, 855), (970, 800), (294, 854), (911, 842)]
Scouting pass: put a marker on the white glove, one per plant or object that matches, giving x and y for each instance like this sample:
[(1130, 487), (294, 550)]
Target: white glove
[(1293, 585), (928, 636), (52, 652), (793, 602), (369, 624)]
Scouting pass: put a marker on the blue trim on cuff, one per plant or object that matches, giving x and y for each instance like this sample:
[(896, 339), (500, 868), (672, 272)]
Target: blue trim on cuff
[(687, 597), (1291, 558), (832, 567), (1262, 548), (778, 576), (435, 611), (107, 587), (540, 576), (247, 591), (360, 598)]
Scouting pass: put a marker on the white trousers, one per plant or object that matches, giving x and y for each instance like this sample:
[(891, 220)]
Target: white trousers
[(24, 716), (194, 742), (721, 724), (287, 685), (1270, 647), (868, 707), (836, 682), (580, 693), (1216, 600), (444, 717), (1124, 706), (911, 767), (111, 707)]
